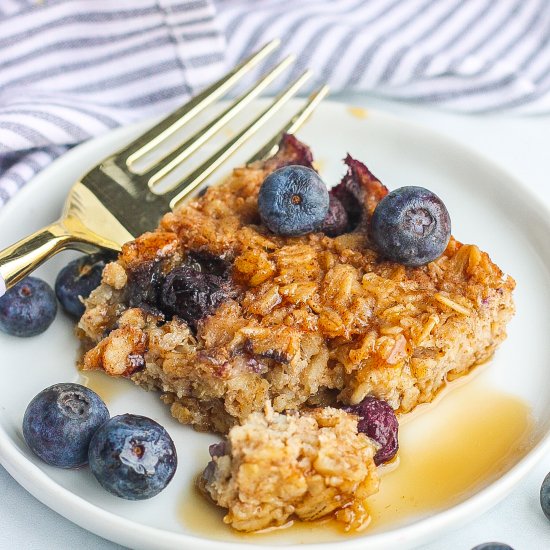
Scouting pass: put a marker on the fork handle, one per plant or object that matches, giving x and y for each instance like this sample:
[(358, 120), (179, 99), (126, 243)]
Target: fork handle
[(23, 257)]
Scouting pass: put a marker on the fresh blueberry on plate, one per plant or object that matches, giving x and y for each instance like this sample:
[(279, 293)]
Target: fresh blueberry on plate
[(293, 200), (377, 420), (60, 421), (133, 457), (410, 226), (545, 496), (28, 308), (77, 280)]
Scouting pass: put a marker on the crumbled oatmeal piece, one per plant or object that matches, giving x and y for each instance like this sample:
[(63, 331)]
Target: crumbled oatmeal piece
[(114, 275), (277, 467)]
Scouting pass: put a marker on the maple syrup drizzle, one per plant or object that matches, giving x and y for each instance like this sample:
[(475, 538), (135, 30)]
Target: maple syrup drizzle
[(358, 112), (476, 434), (107, 387)]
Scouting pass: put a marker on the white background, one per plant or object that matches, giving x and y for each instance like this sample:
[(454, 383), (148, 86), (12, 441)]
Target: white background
[(520, 145)]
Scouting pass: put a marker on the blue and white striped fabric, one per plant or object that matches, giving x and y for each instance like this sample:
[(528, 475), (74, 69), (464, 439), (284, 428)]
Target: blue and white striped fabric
[(72, 69)]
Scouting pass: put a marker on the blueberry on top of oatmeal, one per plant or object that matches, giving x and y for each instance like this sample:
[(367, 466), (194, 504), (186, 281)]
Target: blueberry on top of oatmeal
[(209, 263), (191, 294), (293, 201), (410, 226), (143, 285), (359, 191), (336, 221), (190, 291)]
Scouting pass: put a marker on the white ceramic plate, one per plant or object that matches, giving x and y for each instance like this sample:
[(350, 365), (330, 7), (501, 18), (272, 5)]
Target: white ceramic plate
[(488, 207)]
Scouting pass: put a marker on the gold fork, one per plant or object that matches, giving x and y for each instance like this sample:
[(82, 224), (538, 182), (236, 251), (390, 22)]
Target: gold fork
[(113, 202)]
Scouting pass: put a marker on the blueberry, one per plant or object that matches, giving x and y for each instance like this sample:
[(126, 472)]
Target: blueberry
[(191, 294), (60, 421), (359, 191), (143, 286), (209, 263), (377, 420), (215, 450), (191, 291), (203, 191), (28, 308), (133, 457), (293, 201), (77, 279), (291, 151), (410, 226), (492, 546), (545, 496), (218, 449), (336, 221)]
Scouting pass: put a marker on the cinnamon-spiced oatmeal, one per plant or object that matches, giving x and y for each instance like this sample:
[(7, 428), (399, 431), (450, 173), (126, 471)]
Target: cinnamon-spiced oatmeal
[(221, 315)]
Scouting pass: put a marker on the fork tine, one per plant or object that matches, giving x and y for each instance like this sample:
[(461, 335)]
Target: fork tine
[(176, 157), (272, 146), (182, 189), (173, 122)]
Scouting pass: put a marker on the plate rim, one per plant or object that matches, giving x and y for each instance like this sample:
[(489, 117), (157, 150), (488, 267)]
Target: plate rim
[(122, 530)]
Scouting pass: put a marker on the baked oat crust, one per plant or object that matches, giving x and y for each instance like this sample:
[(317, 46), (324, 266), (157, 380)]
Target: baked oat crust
[(310, 320)]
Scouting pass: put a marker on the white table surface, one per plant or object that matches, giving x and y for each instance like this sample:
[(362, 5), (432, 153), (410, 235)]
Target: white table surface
[(520, 145)]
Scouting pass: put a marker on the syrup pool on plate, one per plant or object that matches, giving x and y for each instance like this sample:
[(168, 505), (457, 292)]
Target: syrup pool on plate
[(449, 450), (358, 112), (107, 387)]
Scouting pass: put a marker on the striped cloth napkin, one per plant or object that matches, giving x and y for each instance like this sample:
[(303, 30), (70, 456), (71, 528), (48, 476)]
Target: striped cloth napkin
[(72, 69)]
